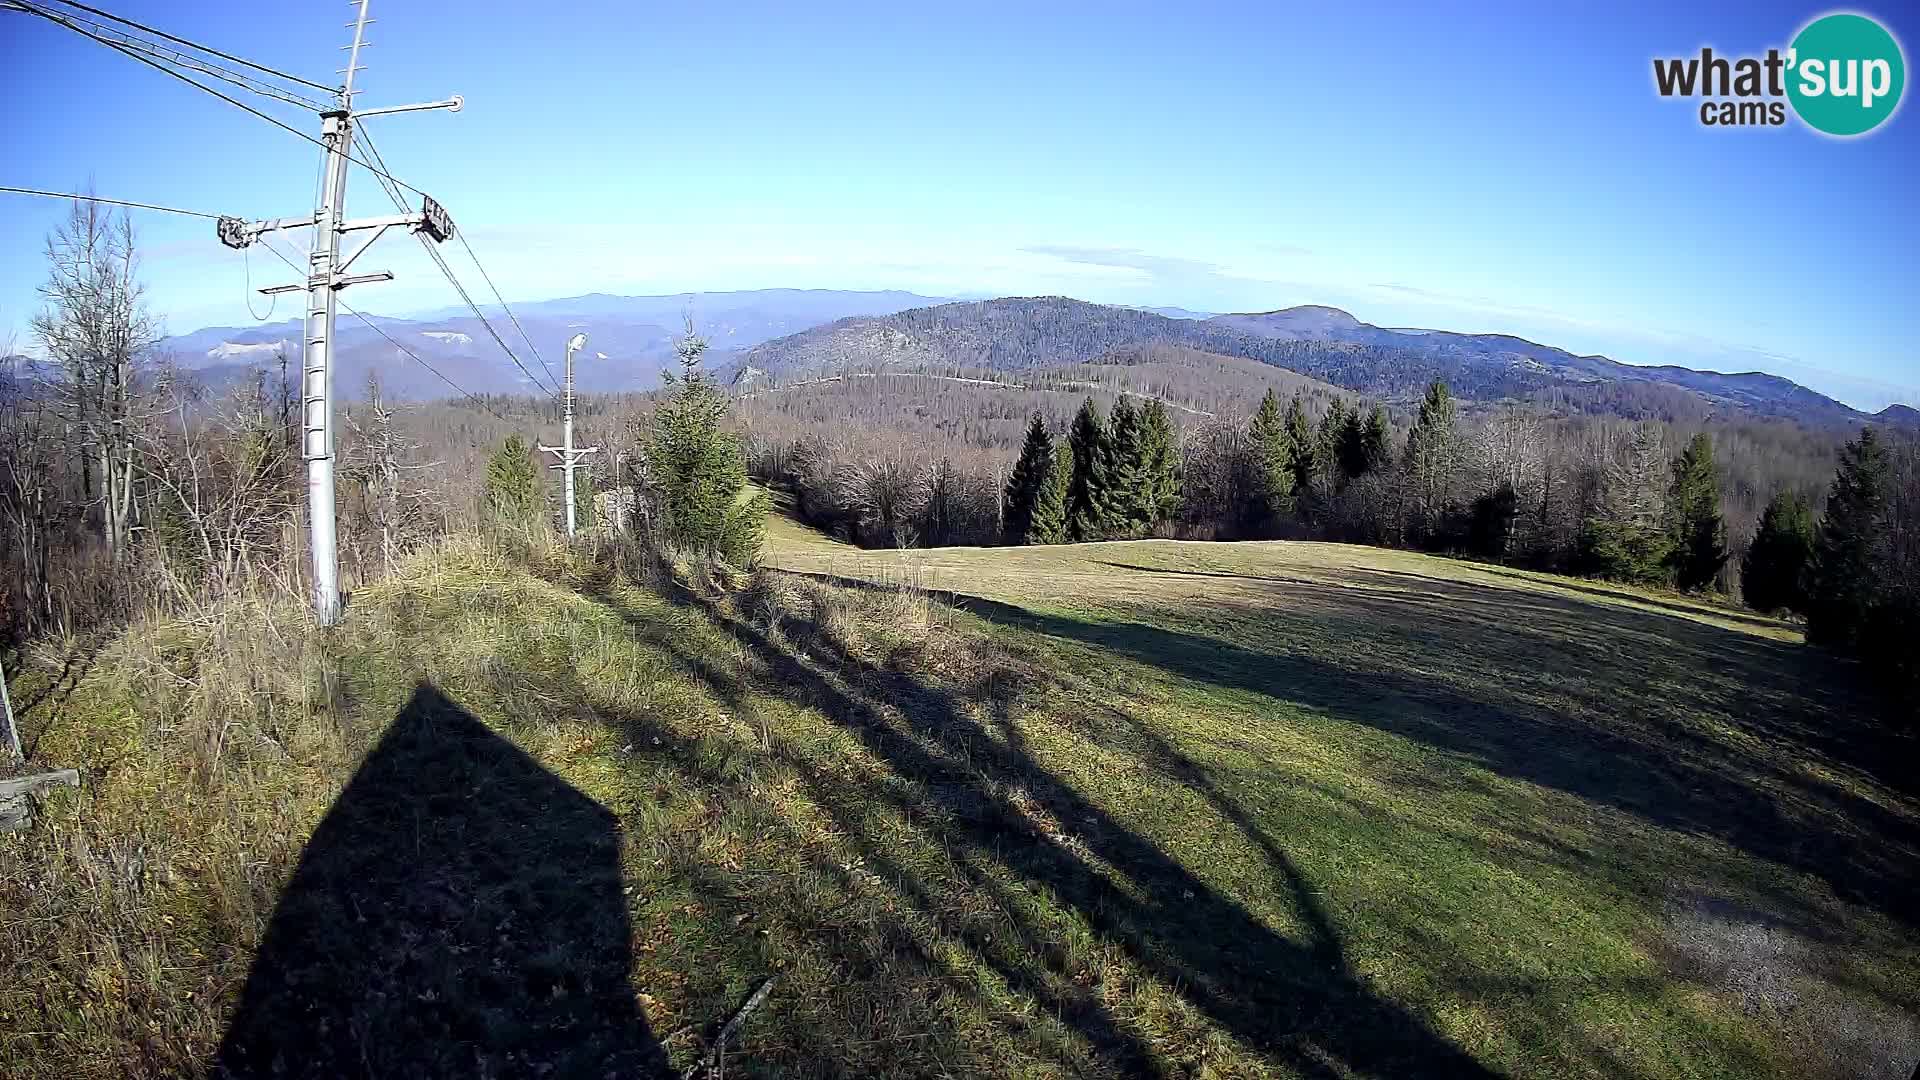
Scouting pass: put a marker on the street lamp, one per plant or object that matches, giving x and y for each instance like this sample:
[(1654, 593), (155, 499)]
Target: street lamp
[(569, 457), (574, 345)]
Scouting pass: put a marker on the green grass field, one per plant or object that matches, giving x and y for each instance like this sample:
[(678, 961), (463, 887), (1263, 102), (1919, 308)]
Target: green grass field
[(1148, 808)]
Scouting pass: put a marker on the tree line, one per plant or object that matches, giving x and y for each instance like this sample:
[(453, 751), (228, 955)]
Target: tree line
[(1110, 478), (1641, 502)]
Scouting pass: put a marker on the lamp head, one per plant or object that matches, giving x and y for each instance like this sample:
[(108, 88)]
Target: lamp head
[(577, 342)]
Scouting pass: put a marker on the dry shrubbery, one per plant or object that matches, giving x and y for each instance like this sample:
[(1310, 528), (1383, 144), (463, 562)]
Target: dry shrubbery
[(211, 742), (879, 495)]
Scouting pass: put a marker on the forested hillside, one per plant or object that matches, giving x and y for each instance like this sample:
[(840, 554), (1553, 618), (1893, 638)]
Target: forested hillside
[(1014, 334)]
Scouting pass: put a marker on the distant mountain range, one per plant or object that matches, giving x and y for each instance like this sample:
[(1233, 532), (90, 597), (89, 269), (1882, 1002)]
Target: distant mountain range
[(1327, 343), (630, 339), (780, 335)]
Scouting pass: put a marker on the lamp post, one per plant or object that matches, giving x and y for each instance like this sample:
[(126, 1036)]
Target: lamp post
[(574, 345), (569, 457)]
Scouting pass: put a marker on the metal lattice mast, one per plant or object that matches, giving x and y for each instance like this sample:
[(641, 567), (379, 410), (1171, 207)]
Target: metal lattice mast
[(326, 276)]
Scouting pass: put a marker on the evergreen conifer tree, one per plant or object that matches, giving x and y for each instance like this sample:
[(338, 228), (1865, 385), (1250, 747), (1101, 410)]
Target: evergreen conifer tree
[(1089, 488), (1028, 479), (1303, 449), (1352, 447), (1330, 437), (1271, 494), (1626, 537), (513, 482), (1490, 525), (1842, 577), (1772, 575), (698, 470), (1130, 495), (1432, 457), (1699, 532), (1375, 442), (1163, 460), (1050, 506)]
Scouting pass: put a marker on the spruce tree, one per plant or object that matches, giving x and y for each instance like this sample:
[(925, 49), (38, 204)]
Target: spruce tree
[(1330, 437), (697, 469), (1304, 452), (1490, 525), (1772, 575), (513, 482), (1359, 442), (1163, 460), (1842, 577), (1375, 447), (1432, 457), (1129, 482), (1271, 460), (1088, 489), (1626, 537), (1029, 477), (1699, 532), (1050, 506)]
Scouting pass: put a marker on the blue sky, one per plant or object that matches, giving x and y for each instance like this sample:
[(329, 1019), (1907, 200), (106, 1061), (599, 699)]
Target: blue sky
[(1506, 169)]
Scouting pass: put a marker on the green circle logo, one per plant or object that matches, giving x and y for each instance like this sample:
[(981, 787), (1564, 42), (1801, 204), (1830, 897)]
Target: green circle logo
[(1845, 74)]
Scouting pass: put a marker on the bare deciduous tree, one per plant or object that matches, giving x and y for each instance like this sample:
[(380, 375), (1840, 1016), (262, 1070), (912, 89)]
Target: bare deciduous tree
[(29, 485), (395, 508), (94, 327), (221, 478)]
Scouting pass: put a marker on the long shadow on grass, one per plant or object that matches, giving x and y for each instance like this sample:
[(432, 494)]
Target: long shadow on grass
[(1648, 603), (1798, 709), (1691, 613), (1021, 955), (1295, 1001), (1694, 791), (458, 912)]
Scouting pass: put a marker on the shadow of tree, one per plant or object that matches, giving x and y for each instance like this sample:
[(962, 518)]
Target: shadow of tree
[(886, 951), (458, 912), (1691, 613), (1649, 604), (1663, 772), (983, 798)]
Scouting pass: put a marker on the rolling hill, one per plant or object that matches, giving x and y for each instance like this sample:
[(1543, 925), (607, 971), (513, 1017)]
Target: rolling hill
[(1900, 416), (1018, 333)]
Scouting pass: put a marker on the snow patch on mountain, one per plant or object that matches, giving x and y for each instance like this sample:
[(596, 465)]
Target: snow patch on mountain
[(243, 350), (449, 337)]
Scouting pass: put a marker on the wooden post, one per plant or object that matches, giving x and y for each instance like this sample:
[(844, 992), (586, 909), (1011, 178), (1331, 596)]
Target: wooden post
[(14, 809)]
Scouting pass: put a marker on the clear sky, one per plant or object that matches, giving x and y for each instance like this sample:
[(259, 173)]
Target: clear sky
[(1507, 169)]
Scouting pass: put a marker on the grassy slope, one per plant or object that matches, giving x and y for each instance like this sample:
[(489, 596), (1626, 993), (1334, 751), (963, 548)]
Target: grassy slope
[(1196, 809)]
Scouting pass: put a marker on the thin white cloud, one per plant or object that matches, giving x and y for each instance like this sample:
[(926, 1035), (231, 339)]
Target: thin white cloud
[(1154, 266)]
